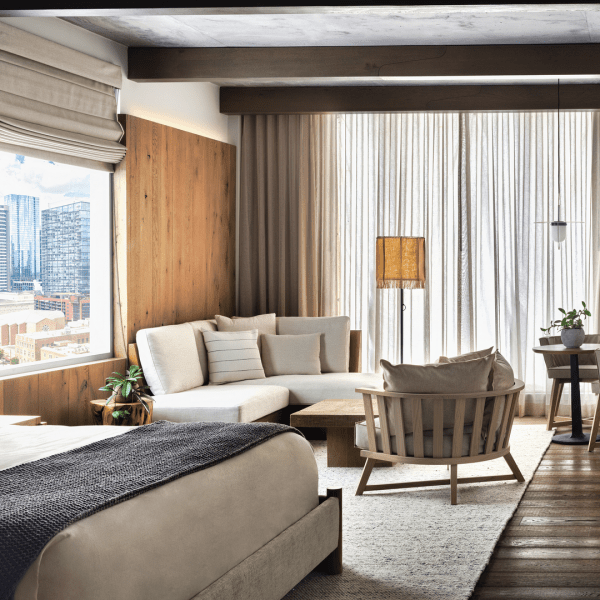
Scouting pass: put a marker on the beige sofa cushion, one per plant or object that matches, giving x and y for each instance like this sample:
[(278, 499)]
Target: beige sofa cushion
[(361, 440), (199, 327), (169, 358), (291, 354), (335, 338), (310, 389), (239, 404), (443, 378), (233, 356), (262, 323)]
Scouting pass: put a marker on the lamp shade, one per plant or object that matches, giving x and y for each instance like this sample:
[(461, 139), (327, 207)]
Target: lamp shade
[(400, 262)]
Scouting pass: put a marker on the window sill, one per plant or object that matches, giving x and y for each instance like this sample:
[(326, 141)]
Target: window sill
[(51, 364)]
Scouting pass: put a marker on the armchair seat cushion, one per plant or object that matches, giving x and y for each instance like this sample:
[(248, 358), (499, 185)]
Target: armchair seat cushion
[(361, 440), (585, 372), (226, 403), (310, 389)]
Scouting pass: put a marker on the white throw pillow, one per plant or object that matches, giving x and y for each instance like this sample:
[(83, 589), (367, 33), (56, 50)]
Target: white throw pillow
[(262, 323), (233, 356), (291, 354)]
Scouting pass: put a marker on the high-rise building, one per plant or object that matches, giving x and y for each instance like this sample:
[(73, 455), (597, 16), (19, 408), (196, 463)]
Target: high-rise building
[(4, 248), (65, 244), (24, 237)]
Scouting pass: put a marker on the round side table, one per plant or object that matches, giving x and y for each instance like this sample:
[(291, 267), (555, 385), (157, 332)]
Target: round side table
[(576, 437)]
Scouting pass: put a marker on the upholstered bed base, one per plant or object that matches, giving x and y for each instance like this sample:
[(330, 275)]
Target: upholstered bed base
[(315, 541)]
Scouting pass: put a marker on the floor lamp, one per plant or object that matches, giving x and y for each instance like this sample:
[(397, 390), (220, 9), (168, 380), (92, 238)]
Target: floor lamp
[(400, 263)]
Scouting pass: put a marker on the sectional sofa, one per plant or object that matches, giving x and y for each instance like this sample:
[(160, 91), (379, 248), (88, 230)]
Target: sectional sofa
[(175, 365)]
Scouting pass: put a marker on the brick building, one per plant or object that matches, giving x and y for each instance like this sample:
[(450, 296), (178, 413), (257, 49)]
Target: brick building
[(74, 306), (28, 321), (28, 346)]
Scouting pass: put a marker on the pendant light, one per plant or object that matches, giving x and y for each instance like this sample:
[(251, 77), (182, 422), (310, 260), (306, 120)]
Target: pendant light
[(558, 228)]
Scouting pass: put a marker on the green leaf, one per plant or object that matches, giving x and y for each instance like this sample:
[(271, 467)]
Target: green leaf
[(562, 310), (106, 403), (126, 389), (584, 304)]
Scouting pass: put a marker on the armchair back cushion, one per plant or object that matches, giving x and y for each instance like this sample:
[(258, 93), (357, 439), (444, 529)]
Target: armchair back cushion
[(169, 356), (335, 338), (443, 378)]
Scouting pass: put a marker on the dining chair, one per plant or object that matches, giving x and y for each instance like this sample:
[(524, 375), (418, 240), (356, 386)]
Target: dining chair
[(559, 370)]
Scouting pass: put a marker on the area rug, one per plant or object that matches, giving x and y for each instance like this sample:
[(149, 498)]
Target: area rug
[(413, 544)]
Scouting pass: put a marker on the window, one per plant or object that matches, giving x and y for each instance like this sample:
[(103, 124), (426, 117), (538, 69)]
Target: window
[(55, 264)]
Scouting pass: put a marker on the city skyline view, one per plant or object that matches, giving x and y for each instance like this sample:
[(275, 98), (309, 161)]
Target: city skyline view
[(44, 260)]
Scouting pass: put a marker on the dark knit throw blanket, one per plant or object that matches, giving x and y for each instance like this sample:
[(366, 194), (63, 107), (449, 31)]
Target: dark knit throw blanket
[(41, 498)]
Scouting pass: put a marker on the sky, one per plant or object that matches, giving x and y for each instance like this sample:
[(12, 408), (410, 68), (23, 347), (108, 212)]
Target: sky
[(54, 184)]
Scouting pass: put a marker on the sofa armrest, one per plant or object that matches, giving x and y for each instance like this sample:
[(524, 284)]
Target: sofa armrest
[(355, 351)]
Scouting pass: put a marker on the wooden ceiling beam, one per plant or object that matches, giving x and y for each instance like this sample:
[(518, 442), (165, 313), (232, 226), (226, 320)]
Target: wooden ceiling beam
[(368, 99), (208, 64)]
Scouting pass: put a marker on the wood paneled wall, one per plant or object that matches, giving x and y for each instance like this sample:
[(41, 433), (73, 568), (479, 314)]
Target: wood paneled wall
[(174, 252), (175, 229), (59, 396)]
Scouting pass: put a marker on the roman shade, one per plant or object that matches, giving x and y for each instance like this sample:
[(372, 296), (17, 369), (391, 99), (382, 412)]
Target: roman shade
[(57, 103)]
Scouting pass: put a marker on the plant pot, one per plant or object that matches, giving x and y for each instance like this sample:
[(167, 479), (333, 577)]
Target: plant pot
[(102, 414), (572, 338)]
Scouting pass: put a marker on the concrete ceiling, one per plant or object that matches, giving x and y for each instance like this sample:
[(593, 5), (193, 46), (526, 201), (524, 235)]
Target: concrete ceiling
[(534, 24)]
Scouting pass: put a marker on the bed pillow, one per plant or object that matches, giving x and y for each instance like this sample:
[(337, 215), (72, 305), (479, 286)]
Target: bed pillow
[(262, 323), (233, 356), (443, 378), (291, 354)]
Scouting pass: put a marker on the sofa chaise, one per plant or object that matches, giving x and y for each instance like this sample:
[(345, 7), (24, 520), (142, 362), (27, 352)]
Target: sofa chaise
[(175, 365)]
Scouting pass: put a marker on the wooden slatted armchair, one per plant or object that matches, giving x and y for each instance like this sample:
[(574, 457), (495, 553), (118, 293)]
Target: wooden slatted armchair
[(450, 444)]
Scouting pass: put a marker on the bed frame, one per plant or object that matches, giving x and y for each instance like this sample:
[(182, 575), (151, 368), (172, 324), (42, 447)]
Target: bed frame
[(271, 572)]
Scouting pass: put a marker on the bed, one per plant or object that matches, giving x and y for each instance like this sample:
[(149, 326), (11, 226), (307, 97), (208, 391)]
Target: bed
[(249, 527)]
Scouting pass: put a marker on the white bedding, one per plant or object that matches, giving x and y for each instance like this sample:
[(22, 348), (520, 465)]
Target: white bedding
[(173, 541)]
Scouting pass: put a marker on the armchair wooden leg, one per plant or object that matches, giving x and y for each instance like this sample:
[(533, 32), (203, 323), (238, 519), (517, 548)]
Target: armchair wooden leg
[(362, 484), (557, 388), (594, 431), (514, 468), (453, 484)]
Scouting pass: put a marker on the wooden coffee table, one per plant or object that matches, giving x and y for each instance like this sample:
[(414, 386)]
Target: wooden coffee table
[(338, 417)]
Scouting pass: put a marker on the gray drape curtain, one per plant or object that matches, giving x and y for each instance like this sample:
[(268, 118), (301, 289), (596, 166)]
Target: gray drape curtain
[(57, 103), (473, 184), (289, 217)]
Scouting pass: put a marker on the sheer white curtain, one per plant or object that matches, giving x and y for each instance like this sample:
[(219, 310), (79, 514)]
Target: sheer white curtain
[(473, 184)]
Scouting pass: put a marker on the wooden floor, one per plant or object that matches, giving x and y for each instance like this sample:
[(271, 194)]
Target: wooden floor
[(550, 549)]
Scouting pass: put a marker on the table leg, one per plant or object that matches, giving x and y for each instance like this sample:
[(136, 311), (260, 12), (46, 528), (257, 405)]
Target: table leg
[(576, 437), (341, 451)]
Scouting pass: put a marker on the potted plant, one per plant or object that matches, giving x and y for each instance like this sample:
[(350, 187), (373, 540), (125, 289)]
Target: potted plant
[(570, 326), (128, 403)]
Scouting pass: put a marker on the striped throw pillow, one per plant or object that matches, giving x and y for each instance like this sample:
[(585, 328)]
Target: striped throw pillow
[(233, 356)]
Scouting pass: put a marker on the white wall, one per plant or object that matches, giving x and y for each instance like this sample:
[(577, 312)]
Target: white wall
[(192, 107)]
